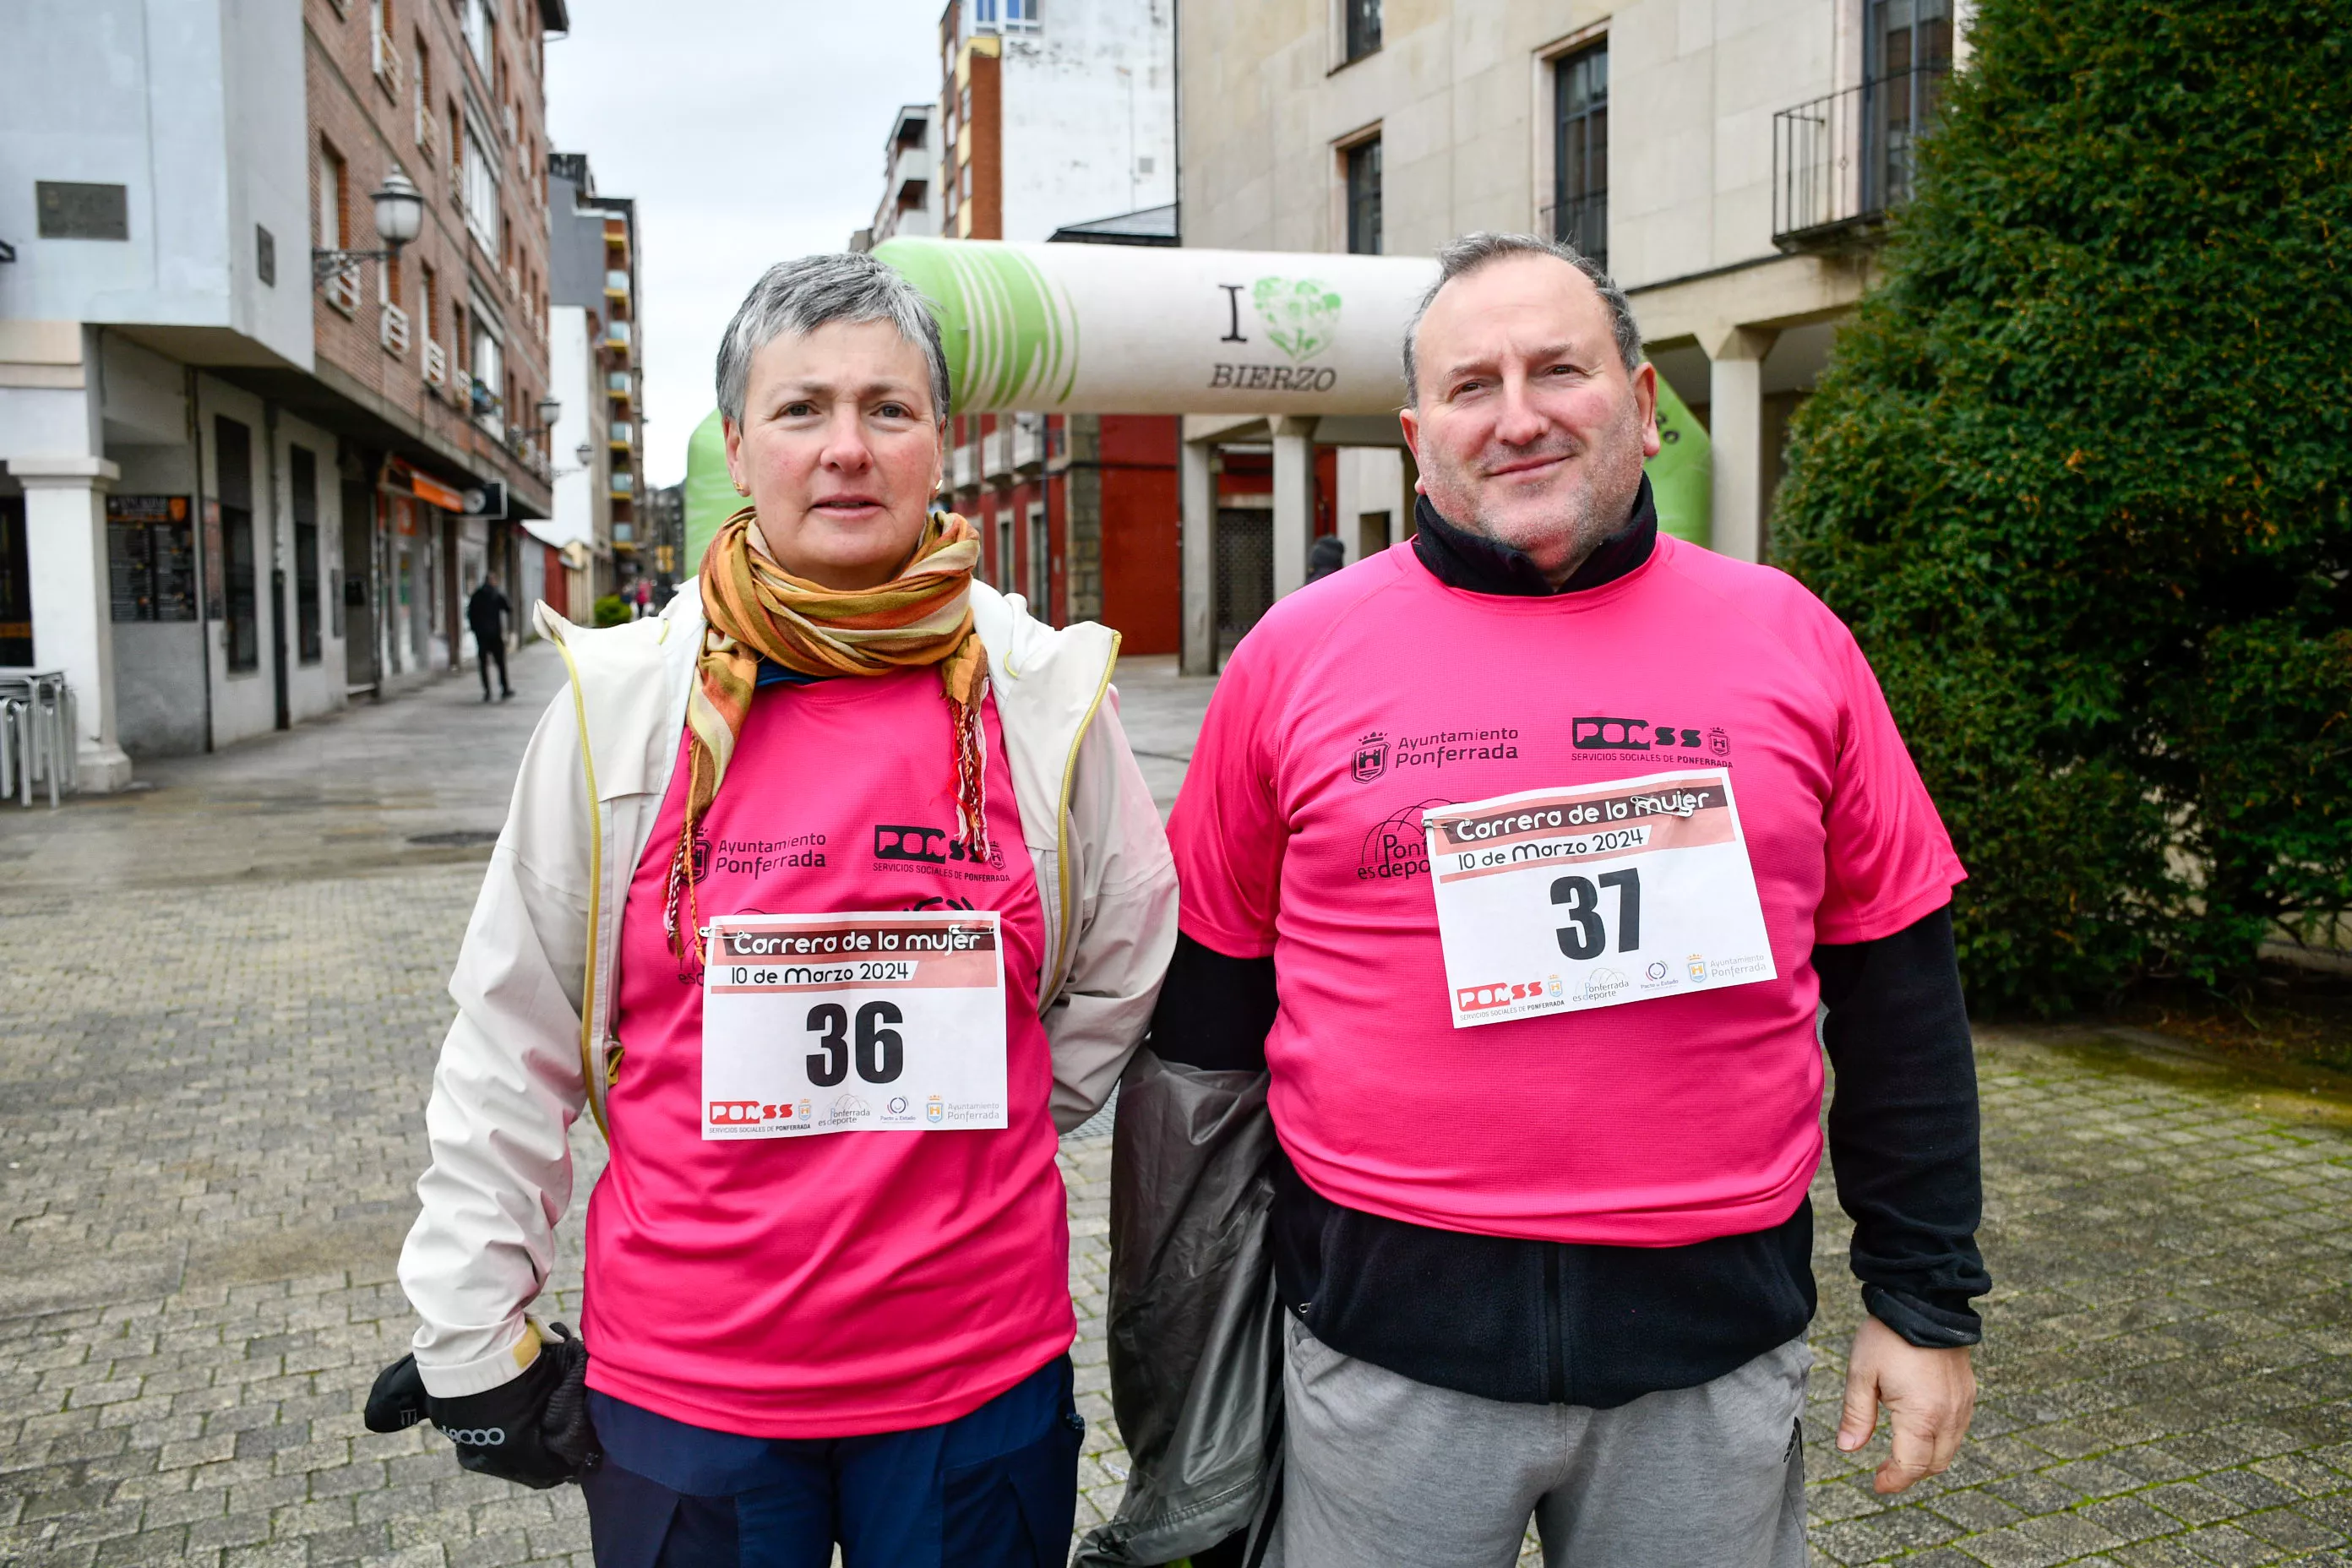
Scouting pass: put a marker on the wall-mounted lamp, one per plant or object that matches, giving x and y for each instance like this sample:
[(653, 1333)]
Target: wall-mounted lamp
[(399, 219)]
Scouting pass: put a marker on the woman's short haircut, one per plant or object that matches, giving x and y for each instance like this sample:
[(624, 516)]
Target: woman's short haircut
[(1474, 251), (803, 295)]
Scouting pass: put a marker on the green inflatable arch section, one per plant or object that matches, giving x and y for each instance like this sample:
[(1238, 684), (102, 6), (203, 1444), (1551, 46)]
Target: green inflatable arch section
[(1678, 479)]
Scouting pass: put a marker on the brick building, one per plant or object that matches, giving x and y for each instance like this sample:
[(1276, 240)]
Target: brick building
[(1049, 122), (597, 353), (441, 352)]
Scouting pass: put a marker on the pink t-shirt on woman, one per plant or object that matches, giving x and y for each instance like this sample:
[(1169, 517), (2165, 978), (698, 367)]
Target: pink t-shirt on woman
[(1365, 699), (852, 1283)]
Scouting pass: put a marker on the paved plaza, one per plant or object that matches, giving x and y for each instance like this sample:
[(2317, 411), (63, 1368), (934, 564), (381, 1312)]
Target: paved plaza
[(222, 995)]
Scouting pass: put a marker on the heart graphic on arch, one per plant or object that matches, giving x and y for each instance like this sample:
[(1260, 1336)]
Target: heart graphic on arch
[(1301, 315)]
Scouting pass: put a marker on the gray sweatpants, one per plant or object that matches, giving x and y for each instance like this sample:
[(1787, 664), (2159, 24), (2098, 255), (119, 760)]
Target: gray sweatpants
[(1379, 1468)]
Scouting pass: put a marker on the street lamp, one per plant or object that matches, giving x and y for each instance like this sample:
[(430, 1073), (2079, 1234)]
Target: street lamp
[(585, 452), (399, 219), (549, 409)]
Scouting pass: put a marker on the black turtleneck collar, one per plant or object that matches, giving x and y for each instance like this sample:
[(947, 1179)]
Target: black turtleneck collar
[(1460, 559)]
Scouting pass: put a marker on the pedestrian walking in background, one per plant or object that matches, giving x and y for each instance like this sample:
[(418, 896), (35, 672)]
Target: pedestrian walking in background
[(1555, 831), (1326, 556), (487, 611), (828, 1294)]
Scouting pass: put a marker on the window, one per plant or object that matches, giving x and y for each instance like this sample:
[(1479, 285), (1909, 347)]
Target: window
[(1579, 211), (1020, 13), (1910, 44), (1364, 197), (1041, 578), (423, 93), (1360, 24), (233, 464), (334, 210), (429, 301), (1004, 578), (382, 57), (302, 470), (482, 32), (490, 376), (481, 195)]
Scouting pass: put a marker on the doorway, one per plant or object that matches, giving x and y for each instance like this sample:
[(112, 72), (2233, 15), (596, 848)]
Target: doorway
[(361, 658)]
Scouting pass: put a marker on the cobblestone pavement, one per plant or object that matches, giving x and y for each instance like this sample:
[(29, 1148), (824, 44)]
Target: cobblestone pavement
[(222, 997)]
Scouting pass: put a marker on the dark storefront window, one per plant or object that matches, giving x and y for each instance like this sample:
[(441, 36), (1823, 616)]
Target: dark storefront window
[(1580, 214), (303, 468), (16, 586), (1364, 198), (233, 450)]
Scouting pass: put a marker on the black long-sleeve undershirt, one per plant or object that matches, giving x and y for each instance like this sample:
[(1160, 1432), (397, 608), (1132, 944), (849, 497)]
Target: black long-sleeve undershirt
[(1538, 1321)]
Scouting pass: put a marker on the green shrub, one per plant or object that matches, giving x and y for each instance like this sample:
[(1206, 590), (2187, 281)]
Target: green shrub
[(2077, 476), (610, 610)]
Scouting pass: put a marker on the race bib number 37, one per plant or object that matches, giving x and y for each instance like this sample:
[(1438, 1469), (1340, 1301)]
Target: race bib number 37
[(1557, 900), (853, 1023)]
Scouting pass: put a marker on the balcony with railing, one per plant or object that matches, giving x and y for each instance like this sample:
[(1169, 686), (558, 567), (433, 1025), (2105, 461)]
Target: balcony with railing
[(1842, 162), (620, 435), (617, 285), (996, 452), (1028, 442)]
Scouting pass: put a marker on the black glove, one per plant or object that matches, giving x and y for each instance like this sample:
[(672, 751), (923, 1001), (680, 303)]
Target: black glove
[(533, 1429)]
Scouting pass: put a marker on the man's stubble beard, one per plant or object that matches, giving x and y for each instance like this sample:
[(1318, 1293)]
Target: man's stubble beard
[(1597, 504)]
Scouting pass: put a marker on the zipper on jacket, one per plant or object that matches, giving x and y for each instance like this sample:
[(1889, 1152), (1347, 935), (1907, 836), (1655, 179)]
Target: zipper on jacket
[(590, 1079), (1062, 825), (1555, 1330)]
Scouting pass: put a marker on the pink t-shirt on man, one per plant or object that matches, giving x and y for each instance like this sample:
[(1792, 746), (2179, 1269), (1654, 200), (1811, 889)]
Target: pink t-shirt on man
[(852, 1282), (1366, 698)]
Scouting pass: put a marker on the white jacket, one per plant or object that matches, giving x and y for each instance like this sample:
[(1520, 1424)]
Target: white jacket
[(534, 979)]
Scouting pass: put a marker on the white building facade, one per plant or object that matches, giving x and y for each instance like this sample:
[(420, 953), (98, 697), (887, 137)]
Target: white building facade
[(179, 535), (1053, 116), (1731, 165)]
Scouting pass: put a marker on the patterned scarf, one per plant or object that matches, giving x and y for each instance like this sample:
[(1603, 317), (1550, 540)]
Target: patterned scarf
[(756, 609)]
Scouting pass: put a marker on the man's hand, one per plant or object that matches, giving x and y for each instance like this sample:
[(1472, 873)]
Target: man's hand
[(1929, 1396)]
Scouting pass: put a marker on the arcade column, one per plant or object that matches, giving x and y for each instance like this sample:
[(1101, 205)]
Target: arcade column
[(73, 623), (1735, 428), (1196, 479)]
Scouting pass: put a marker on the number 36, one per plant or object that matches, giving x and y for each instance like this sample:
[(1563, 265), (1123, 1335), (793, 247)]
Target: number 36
[(1585, 934), (881, 1055)]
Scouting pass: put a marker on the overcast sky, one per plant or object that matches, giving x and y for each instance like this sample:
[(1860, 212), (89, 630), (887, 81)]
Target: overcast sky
[(747, 133)]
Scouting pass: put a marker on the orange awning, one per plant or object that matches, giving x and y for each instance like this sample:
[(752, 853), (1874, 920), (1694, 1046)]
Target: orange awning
[(430, 490)]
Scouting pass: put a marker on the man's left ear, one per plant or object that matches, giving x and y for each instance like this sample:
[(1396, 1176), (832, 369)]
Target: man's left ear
[(1645, 398)]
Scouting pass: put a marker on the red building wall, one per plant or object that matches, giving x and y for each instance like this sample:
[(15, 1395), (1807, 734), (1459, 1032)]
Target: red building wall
[(1142, 561)]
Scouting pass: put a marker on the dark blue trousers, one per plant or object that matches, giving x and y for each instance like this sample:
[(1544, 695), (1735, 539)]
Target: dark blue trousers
[(996, 1489)]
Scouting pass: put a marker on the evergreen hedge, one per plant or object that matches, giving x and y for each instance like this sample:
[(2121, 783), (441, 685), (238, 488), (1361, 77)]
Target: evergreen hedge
[(2078, 475)]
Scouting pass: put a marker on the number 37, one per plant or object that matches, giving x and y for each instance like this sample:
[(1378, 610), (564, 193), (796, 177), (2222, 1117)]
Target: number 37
[(1586, 933)]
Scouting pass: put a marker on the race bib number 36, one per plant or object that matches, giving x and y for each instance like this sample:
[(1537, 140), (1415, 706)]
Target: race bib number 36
[(853, 1023), (1557, 900)]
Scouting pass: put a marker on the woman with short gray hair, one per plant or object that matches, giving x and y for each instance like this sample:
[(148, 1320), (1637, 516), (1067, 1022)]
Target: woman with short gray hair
[(831, 894)]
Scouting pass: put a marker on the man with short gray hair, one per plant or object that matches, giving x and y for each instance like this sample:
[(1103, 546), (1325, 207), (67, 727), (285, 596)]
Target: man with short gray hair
[(830, 923), (1526, 855)]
